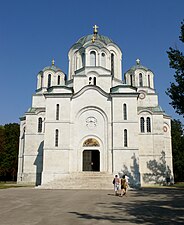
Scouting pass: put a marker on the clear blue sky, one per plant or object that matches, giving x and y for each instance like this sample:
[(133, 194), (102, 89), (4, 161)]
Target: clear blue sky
[(34, 32)]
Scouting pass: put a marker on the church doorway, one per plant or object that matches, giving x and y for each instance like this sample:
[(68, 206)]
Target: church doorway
[(91, 160)]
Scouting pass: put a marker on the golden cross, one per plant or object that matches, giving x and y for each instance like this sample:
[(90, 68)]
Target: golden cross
[(95, 29), (93, 39)]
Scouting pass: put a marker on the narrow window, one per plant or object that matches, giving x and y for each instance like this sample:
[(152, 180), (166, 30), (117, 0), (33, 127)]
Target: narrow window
[(125, 80), (83, 59), (41, 81), (94, 80), (59, 80), (125, 138), (148, 80), (103, 60), (56, 137), (148, 123), (49, 80), (142, 124), (93, 58), (90, 78), (75, 61), (39, 125), (23, 133), (131, 80), (57, 112), (140, 80), (124, 111), (112, 64)]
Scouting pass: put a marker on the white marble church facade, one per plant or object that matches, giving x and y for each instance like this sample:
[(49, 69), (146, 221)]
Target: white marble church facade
[(92, 121)]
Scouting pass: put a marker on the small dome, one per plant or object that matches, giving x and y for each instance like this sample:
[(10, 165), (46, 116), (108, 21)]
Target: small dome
[(89, 37), (52, 67), (138, 66)]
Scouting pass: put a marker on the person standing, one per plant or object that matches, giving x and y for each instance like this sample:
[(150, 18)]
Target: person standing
[(116, 182), (123, 186)]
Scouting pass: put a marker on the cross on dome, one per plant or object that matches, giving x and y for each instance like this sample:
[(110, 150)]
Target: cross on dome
[(95, 32), (95, 29), (138, 61)]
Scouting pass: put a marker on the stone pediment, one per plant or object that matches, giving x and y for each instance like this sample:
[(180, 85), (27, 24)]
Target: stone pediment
[(91, 87)]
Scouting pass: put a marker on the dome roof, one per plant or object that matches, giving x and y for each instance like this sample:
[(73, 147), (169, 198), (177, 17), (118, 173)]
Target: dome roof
[(138, 66), (89, 37), (95, 39), (52, 67)]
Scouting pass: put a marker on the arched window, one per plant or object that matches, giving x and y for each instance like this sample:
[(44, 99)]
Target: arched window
[(125, 138), (90, 80), (124, 111), (140, 80), (112, 64), (75, 61), (39, 125), (142, 124), (103, 60), (59, 80), (131, 80), (148, 80), (57, 112), (93, 58), (49, 80), (148, 124), (94, 80), (41, 82), (56, 137), (83, 59)]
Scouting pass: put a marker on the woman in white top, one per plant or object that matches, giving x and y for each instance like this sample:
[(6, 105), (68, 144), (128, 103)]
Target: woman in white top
[(116, 183)]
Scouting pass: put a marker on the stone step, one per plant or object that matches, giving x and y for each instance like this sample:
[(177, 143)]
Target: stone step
[(86, 180)]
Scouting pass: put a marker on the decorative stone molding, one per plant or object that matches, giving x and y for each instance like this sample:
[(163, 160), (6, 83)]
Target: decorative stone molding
[(91, 122)]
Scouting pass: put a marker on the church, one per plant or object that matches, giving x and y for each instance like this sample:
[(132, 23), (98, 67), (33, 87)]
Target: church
[(92, 124)]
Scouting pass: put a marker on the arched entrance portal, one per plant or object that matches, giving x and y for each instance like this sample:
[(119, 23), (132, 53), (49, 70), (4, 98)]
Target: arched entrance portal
[(91, 160)]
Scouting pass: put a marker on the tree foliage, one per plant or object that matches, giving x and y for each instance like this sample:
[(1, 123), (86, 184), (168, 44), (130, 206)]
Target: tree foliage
[(9, 145), (176, 89), (177, 148)]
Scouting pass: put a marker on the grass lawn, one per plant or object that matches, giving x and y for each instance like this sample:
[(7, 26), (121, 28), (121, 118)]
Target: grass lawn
[(179, 184), (5, 185)]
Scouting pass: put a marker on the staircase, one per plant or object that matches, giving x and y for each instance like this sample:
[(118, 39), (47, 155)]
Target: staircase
[(81, 180)]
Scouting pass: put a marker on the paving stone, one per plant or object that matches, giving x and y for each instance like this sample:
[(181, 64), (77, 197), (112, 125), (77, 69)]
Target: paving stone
[(149, 206)]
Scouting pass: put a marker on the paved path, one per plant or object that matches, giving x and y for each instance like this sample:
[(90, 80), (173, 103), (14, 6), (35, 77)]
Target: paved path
[(26, 206)]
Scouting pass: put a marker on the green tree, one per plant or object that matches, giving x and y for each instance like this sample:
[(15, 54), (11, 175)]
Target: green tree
[(177, 148), (176, 89), (9, 151), (2, 149)]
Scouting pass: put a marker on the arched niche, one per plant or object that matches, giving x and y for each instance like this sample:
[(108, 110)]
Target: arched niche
[(91, 142)]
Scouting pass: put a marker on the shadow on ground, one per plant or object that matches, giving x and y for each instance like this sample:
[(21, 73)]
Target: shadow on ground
[(147, 206)]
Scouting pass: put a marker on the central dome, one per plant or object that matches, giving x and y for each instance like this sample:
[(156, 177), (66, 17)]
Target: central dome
[(96, 54), (89, 37)]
